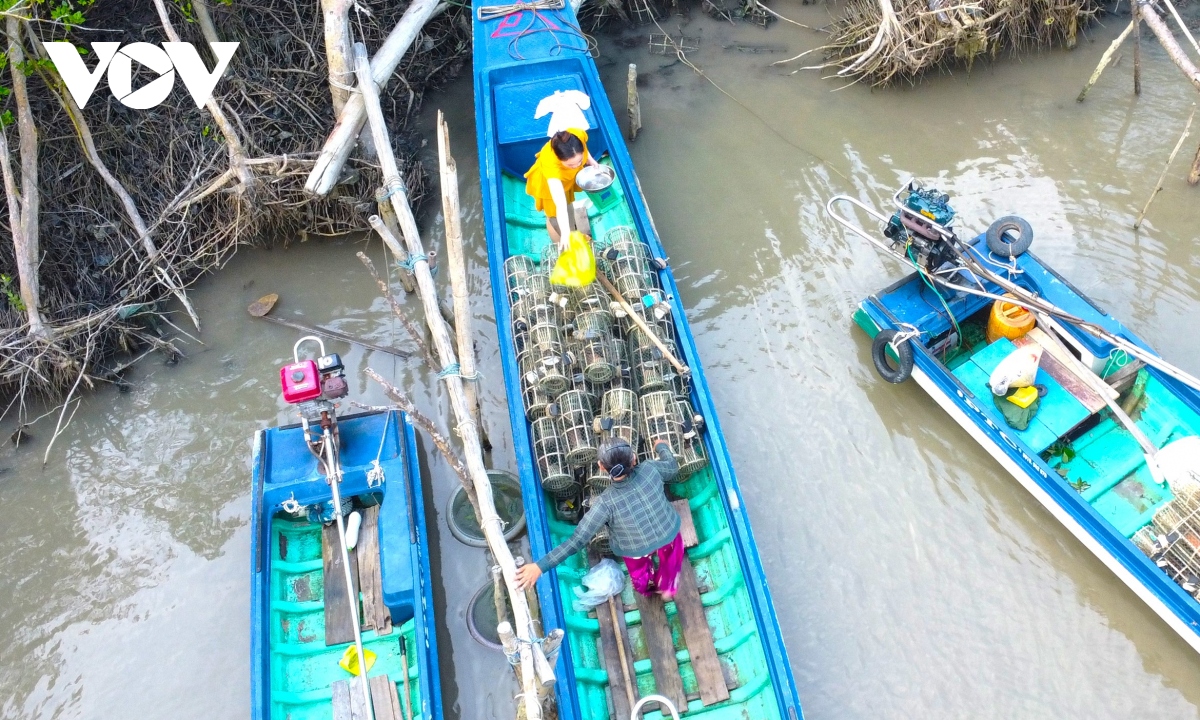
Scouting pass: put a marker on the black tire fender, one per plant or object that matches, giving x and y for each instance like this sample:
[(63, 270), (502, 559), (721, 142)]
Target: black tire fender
[(1002, 243), (904, 354)]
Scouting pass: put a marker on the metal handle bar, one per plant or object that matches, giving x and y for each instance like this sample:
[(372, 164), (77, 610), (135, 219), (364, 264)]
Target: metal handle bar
[(301, 341), (662, 701)]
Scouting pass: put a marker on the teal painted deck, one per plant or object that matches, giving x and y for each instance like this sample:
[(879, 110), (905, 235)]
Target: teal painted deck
[(718, 572), (1106, 463), (302, 667)]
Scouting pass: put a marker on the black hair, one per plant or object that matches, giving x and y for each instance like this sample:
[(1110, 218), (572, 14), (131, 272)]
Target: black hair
[(566, 145), (616, 455)]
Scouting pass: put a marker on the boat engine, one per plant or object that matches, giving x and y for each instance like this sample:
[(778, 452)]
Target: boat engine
[(920, 227)]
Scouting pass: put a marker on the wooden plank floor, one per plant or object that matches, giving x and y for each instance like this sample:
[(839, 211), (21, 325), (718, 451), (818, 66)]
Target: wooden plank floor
[(661, 647), (370, 578), (348, 700), (698, 636), (339, 618), (610, 634), (384, 698)]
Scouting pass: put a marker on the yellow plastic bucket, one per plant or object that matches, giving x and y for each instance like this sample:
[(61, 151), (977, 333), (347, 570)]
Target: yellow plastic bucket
[(1009, 321)]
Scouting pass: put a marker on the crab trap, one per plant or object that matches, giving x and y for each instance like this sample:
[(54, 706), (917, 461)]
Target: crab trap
[(592, 346), (651, 370), (519, 272), (536, 400), (619, 416), (600, 541), (574, 417), (1172, 540), (660, 422), (551, 458), (545, 344), (692, 459), (596, 480)]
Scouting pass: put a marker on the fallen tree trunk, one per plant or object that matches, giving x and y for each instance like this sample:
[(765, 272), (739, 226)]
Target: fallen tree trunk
[(350, 122), (1167, 39), (23, 207), (489, 520)]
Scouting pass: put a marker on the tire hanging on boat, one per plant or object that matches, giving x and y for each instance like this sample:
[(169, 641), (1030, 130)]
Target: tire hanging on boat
[(1001, 242), (904, 356)]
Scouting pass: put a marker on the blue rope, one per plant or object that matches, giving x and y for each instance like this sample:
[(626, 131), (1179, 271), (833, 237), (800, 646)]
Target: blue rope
[(411, 263), (396, 186), (454, 370)]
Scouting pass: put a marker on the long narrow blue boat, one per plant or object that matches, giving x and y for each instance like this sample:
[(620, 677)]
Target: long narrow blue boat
[(297, 576), (972, 304), (523, 56)]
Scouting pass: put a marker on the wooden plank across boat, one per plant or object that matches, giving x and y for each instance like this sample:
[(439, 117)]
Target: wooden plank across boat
[(1075, 457), (522, 56), (300, 617)]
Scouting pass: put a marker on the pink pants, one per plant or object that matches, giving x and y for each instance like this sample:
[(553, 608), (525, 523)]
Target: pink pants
[(658, 571)]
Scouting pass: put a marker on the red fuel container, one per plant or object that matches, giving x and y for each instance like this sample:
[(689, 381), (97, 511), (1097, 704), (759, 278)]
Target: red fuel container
[(300, 382)]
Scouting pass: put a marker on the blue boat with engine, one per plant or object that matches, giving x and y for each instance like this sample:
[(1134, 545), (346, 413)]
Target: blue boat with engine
[(615, 357), (1082, 412), (342, 568)]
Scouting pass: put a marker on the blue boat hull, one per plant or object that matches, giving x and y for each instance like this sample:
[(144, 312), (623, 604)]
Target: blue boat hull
[(284, 469), (908, 303), (519, 59)]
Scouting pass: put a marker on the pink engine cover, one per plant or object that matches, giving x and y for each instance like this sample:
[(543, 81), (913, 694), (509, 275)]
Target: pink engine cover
[(300, 382)]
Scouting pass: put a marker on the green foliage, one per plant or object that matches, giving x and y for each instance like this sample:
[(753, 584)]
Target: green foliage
[(6, 119), (13, 297), (29, 67), (186, 7)]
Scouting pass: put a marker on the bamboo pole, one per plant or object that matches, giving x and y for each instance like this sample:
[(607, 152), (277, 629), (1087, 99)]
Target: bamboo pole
[(637, 320), (489, 520), (350, 122), (458, 269), (1158, 186), (1105, 59), (389, 218), (335, 17), (1194, 175), (1137, 50), (635, 104)]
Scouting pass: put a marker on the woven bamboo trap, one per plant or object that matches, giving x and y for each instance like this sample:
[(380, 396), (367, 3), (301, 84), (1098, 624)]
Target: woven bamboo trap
[(548, 450), (574, 418), (592, 346), (619, 416), (692, 459), (600, 541), (650, 369), (660, 422), (1174, 543), (536, 401)]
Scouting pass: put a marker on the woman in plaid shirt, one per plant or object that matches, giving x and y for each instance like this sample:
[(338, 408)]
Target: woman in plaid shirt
[(643, 528)]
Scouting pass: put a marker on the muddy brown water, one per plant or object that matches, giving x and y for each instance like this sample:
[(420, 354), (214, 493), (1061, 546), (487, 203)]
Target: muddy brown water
[(912, 576)]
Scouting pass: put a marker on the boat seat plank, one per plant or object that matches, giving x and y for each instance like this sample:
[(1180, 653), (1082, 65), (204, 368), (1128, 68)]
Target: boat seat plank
[(370, 578), (687, 526), (384, 698), (661, 646), (698, 636), (348, 700), (1068, 374), (339, 617)]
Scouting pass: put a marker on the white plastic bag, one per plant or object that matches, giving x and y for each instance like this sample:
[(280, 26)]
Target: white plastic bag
[(603, 581)]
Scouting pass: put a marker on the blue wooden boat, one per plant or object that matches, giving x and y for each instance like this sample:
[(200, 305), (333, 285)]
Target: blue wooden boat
[(295, 673), (1077, 455), (522, 56)]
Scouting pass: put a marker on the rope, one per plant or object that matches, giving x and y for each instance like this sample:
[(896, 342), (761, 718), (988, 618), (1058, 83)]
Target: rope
[(375, 476), (454, 370), (411, 263), (514, 658), (491, 12)]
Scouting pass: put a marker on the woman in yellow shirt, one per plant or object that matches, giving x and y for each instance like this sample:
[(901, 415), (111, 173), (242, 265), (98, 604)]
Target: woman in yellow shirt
[(551, 182)]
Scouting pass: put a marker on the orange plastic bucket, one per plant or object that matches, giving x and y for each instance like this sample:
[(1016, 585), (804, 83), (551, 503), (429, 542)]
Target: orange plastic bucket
[(1009, 321)]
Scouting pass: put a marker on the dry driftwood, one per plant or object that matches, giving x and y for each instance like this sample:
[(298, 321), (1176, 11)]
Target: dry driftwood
[(328, 168), (26, 197), (458, 270), (884, 41), (1163, 176)]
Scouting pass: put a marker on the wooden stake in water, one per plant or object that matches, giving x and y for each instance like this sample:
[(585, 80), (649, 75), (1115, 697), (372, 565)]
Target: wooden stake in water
[(635, 105), (1158, 186), (1105, 59)]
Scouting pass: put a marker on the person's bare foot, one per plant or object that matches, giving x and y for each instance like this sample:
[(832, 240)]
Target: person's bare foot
[(666, 596)]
